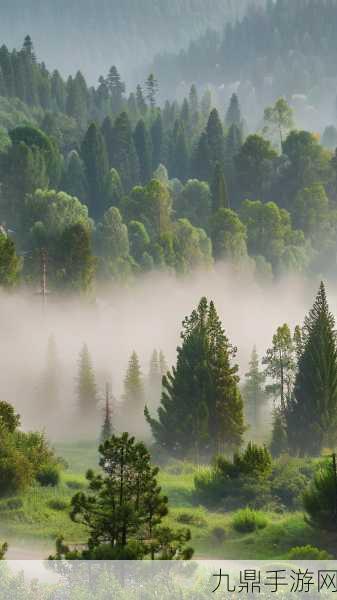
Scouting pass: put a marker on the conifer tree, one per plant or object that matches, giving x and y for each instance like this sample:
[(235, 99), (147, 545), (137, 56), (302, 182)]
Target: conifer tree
[(133, 396), (201, 409), (116, 88), (219, 189), (201, 160), (280, 361), (151, 86), (86, 386), (311, 413), (94, 156), (123, 152), (141, 104), (215, 138), (144, 151), (74, 180), (279, 440), (254, 393), (233, 115), (107, 429), (179, 160)]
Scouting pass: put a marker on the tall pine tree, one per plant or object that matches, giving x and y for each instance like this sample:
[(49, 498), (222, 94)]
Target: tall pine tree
[(86, 386)]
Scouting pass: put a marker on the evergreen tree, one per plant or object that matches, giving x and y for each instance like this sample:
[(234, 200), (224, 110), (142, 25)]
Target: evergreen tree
[(311, 413), (75, 261), (123, 509), (133, 397), (279, 440), (201, 161), (179, 160), (201, 409), (107, 429), (254, 394), (144, 152), (74, 180), (151, 86), (141, 104), (123, 152), (116, 88), (94, 156), (215, 138), (280, 361), (219, 189), (86, 386), (233, 115), (162, 364)]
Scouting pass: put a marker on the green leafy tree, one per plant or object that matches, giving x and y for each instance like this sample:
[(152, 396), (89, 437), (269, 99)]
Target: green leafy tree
[(76, 265), (192, 247), (279, 440), (311, 411), (124, 507), (280, 362), (194, 203), (123, 152), (253, 166), (74, 181), (229, 236), (10, 263), (278, 119)]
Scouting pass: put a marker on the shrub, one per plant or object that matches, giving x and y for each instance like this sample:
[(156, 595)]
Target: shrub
[(320, 499), (58, 505), (74, 484), (219, 534), (48, 475), (191, 519), (248, 520), (308, 553)]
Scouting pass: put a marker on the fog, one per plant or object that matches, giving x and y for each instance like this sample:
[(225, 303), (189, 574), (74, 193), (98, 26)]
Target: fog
[(142, 317)]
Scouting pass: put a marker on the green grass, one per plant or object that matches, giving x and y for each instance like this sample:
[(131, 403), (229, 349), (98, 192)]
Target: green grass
[(44, 515)]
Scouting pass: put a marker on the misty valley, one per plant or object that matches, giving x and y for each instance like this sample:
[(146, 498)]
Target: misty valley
[(168, 296)]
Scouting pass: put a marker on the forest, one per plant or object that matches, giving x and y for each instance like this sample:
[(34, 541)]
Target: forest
[(167, 298)]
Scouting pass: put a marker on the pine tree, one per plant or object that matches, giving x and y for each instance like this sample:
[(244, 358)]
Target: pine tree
[(86, 386), (123, 152), (133, 397), (151, 86), (233, 115), (116, 88), (279, 440), (215, 138), (311, 413), (74, 180), (254, 394), (219, 189), (141, 104), (179, 159), (201, 161), (280, 361), (144, 151), (107, 429), (201, 409), (94, 156)]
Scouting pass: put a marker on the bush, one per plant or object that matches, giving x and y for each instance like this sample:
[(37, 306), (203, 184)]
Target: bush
[(58, 505), (320, 499), (74, 484), (191, 519), (308, 553), (248, 520), (48, 476), (219, 534)]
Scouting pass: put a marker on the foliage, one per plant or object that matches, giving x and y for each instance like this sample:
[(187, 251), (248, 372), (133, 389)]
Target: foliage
[(247, 521), (320, 498), (308, 553), (48, 475), (124, 507)]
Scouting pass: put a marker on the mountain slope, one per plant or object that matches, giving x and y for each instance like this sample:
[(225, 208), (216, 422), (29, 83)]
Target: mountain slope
[(87, 35)]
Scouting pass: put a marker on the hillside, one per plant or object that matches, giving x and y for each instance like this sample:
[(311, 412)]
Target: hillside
[(80, 34), (287, 49)]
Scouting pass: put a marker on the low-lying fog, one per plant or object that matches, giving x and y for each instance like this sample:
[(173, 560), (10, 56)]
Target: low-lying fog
[(142, 317)]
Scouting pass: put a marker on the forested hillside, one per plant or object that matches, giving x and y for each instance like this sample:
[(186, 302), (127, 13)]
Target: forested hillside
[(289, 48), (128, 33)]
